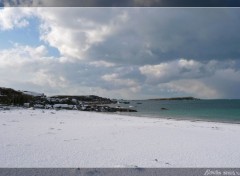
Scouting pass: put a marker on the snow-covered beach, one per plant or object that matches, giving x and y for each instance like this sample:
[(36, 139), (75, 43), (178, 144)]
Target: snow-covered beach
[(49, 138)]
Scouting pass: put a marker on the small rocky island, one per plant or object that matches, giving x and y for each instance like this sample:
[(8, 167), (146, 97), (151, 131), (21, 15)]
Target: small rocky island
[(27, 99)]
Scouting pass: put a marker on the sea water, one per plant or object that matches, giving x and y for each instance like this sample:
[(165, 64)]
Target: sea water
[(207, 110)]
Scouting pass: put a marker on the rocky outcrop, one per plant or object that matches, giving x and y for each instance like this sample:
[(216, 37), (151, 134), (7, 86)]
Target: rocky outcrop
[(113, 109), (34, 100), (10, 96), (81, 99), (164, 109)]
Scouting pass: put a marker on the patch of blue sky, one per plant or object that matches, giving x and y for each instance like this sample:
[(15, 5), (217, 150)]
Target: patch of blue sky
[(28, 35), (24, 36), (53, 51)]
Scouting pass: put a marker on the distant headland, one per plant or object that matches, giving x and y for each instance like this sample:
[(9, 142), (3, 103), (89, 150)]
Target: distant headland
[(176, 98)]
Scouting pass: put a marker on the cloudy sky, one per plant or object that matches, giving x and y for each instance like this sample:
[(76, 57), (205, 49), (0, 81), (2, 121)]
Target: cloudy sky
[(130, 53), (121, 3)]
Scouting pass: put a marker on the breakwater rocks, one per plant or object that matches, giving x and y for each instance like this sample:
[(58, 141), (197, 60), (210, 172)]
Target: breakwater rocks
[(105, 108)]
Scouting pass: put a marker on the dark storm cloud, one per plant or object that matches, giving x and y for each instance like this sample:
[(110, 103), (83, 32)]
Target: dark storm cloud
[(194, 3), (122, 3), (162, 35)]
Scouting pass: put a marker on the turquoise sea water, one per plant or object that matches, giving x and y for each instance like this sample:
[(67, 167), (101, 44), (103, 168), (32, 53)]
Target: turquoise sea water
[(207, 110)]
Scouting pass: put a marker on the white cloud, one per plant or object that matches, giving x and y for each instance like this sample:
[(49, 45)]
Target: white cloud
[(14, 18), (119, 83), (212, 79), (168, 71), (29, 66), (73, 31), (20, 55), (102, 63), (189, 64), (44, 77)]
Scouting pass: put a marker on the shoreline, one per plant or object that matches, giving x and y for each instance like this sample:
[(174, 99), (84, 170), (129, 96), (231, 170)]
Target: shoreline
[(167, 118), (188, 119), (137, 114), (178, 119), (49, 138)]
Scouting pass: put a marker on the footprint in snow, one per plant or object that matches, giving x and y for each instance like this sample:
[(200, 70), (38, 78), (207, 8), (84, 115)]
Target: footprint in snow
[(14, 121), (68, 140), (215, 128), (50, 133), (156, 160)]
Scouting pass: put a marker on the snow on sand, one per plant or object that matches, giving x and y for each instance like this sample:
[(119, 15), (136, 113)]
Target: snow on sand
[(48, 138)]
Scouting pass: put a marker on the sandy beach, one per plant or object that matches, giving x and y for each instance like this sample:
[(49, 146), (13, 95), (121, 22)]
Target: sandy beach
[(49, 138)]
